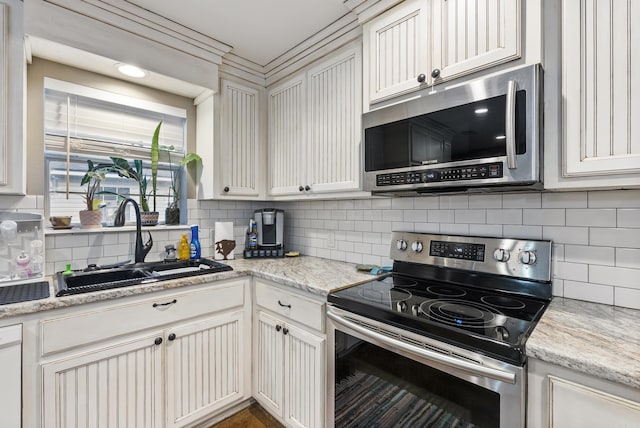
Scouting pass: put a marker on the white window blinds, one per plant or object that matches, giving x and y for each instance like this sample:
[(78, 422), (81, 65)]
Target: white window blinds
[(97, 122)]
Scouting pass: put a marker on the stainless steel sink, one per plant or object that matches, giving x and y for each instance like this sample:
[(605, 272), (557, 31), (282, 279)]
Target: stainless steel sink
[(96, 279)]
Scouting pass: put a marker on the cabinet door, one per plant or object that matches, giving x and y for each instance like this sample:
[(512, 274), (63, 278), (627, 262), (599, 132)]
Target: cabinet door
[(268, 359), (204, 367), (287, 137), (473, 35), (396, 49), (601, 95), (116, 386), (575, 405), (12, 89), (241, 157), (304, 378), (334, 123)]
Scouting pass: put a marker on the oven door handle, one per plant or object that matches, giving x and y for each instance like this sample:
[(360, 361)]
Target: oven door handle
[(510, 124), (474, 369)]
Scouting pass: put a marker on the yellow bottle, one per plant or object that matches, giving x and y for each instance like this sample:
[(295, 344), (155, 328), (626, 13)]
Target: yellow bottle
[(183, 248)]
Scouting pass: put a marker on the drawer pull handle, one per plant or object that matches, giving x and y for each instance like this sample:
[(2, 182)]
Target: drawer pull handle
[(155, 305), (283, 305)]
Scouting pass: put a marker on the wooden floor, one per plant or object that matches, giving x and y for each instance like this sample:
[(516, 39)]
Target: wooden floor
[(253, 416)]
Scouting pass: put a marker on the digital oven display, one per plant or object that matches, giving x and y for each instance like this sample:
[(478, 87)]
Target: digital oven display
[(457, 250)]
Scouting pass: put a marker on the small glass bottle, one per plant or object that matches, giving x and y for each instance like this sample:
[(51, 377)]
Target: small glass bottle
[(184, 248), (196, 252)]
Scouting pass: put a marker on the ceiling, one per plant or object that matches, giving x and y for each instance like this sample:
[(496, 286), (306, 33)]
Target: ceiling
[(258, 30)]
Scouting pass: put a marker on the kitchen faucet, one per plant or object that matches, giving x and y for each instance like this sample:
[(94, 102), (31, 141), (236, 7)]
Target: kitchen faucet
[(141, 250)]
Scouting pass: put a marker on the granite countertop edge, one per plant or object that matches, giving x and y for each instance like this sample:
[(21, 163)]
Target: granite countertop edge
[(595, 339)]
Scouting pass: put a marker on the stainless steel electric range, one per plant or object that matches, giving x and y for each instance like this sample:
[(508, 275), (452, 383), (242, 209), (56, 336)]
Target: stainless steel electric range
[(440, 341)]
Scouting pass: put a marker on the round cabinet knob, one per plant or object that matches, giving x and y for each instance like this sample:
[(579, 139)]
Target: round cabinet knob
[(226, 189), (435, 73), (285, 330), (401, 244), (278, 327), (417, 246), (527, 257), (158, 341), (301, 189), (172, 337), (307, 187), (421, 78), (501, 255)]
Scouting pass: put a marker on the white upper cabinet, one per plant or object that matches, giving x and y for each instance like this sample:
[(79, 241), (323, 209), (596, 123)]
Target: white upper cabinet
[(600, 105), (425, 42), (314, 128), (241, 159), (12, 92)]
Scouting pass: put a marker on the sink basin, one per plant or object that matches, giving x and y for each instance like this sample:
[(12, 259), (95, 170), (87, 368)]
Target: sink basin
[(133, 274)]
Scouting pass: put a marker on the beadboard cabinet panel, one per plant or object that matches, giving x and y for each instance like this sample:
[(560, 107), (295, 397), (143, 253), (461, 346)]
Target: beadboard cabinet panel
[(204, 367), (12, 94), (474, 35), (334, 124), (268, 368), (117, 386), (240, 148), (397, 47), (287, 130), (601, 59)]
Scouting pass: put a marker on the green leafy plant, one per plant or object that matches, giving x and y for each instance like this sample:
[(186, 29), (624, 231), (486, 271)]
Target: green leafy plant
[(96, 173), (135, 172), (175, 174)]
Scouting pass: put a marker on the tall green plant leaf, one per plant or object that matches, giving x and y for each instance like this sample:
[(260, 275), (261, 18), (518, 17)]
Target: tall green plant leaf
[(155, 154)]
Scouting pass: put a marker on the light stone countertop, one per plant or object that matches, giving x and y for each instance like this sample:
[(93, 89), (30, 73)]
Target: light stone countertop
[(310, 274), (596, 339)]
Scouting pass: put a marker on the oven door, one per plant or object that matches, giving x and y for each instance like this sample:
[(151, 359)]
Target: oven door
[(381, 376)]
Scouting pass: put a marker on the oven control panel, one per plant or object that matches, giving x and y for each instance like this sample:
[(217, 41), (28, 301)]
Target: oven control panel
[(457, 250), (529, 259)]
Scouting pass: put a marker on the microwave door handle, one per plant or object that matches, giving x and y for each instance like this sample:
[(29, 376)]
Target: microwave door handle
[(510, 124)]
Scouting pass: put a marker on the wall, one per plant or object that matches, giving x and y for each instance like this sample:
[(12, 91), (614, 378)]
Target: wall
[(596, 234)]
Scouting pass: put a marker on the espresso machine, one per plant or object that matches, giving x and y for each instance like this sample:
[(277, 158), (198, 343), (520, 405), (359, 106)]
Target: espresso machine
[(265, 237)]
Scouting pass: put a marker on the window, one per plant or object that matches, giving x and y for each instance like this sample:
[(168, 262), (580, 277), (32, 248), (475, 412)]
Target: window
[(82, 123)]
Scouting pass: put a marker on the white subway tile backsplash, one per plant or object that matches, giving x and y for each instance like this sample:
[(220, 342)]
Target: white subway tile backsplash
[(416, 216), (427, 227), (628, 217), (521, 200), (564, 200), (493, 230), (526, 232), (454, 229), (628, 257), (566, 235), (544, 216), (571, 271), (454, 201), (392, 215), (615, 237), (402, 203), (589, 254), (504, 216), (381, 204), (470, 216), (617, 276), (627, 297), (592, 217), (441, 216), (485, 201), (614, 198), (591, 292), (427, 203)]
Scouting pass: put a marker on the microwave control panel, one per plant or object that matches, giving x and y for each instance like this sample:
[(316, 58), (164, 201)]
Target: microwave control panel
[(467, 172)]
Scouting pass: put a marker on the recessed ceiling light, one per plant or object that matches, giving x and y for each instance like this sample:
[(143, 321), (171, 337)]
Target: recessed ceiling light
[(481, 110), (130, 70)]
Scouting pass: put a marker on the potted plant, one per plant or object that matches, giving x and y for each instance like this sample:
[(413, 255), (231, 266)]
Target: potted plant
[(172, 212), (135, 172), (92, 216)]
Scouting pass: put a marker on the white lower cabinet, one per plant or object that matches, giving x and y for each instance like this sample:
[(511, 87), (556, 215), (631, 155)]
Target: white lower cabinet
[(289, 361), (173, 374), (562, 398)]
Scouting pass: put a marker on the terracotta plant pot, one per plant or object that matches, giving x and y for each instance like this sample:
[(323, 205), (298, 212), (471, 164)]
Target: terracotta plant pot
[(149, 218), (90, 219), (172, 215)]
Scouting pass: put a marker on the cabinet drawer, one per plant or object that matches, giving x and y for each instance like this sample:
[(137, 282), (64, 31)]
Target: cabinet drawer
[(298, 308), (82, 328)]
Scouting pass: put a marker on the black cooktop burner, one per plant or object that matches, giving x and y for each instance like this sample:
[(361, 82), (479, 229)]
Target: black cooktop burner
[(487, 320)]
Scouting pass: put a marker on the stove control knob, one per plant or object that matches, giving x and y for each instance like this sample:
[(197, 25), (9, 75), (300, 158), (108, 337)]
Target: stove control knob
[(401, 244), (402, 306), (527, 257), (417, 246), (415, 310), (501, 255)]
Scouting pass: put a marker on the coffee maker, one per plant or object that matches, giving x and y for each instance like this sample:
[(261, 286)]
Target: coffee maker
[(270, 230)]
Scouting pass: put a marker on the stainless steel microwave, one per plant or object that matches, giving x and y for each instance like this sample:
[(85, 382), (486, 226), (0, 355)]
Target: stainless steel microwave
[(480, 136)]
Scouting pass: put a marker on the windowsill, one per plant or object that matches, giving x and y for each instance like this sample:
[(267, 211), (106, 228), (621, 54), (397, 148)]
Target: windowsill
[(76, 229)]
